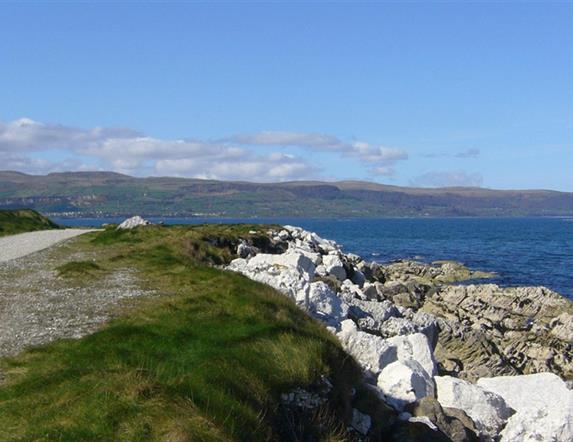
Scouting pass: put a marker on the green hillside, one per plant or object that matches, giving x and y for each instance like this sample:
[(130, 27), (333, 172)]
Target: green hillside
[(23, 220), (106, 193), (205, 357)]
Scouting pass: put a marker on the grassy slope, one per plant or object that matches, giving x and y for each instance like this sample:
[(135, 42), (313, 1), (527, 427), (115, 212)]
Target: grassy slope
[(23, 220), (205, 360)]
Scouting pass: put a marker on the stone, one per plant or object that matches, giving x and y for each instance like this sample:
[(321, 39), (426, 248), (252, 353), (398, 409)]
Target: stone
[(370, 290), (500, 331), (372, 352), (361, 422), (395, 326), (133, 222), (541, 424), (543, 402), (488, 410), (454, 423), (415, 347), (562, 327), (283, 235), (404, 382), (334, 266), (379, 312), (358, 278), (325, 305), (289, 272), (245, 250)]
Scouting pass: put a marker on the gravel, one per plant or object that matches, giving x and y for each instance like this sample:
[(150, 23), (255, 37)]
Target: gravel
[(37, 306), (17, 246)]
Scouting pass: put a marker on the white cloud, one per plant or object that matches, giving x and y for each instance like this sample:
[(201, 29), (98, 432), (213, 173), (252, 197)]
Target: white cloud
[(379, 159), (127, 151), (468, 153), (455, 178)]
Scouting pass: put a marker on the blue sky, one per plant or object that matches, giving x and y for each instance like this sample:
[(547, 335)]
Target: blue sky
[(427, 94)]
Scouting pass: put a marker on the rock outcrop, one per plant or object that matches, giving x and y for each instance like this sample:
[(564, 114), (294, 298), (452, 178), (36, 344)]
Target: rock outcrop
[(543, 405), (423, 343), (504, 331), (133, 222), (488, 410)]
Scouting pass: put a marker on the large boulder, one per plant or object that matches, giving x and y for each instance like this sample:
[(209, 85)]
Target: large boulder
[(289, 272), (325, 305), (488, 410), (454, 423), (133, 222), (404, 382), (415, 347), (372, 352), (334, 266), (543, 403)]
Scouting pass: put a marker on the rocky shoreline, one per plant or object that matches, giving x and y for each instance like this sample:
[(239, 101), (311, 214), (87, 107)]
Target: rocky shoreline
[(471, 362)]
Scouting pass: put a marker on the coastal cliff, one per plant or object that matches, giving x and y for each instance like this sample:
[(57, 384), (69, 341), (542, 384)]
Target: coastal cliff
[(460, 358)]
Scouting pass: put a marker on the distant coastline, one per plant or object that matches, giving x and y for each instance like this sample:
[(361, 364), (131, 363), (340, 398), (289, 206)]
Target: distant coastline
[(89, 194)]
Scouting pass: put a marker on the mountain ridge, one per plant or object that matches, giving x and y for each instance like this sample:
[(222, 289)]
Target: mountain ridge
[(111, 193)]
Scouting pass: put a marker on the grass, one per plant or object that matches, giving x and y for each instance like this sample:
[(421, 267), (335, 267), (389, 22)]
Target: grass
[(205, 359), (23, 220), (79, 269)]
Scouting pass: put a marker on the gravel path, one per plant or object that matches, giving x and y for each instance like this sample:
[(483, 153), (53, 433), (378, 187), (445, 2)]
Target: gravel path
[(17, 246), (37, 306)]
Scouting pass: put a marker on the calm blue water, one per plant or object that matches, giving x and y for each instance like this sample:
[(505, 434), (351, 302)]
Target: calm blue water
[(523, 251)]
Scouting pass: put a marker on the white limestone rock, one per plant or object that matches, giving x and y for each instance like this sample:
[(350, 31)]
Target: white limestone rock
[(417, 348), (245, 250), (334, 266), (372, 352), (325, 305), (543, 403), (378, 311), (488, 410), (404, 382), (133, 222), (289, 272), (541, 424)]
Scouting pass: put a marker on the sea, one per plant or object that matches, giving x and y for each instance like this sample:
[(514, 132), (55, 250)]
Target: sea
[(521, 251)]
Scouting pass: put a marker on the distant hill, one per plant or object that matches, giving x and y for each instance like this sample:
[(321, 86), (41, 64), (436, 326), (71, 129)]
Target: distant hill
[(23, 220), (107, 193)]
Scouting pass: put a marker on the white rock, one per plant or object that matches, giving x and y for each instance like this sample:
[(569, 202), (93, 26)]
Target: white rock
[(488, 410), (349, 291), (361, 422), (543, 403), (321, 270), (244, 250), (404, 382), (133, 222), (541, 424), (378, 311), (415, 347), (372, 352), (334, 266), (529, 391), (289, 273), (325, 305), (283, 235)]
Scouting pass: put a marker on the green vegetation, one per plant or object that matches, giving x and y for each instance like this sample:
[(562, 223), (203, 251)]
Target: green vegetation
[(204, 358), (107, 193), (23, 220), (79, 268)]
